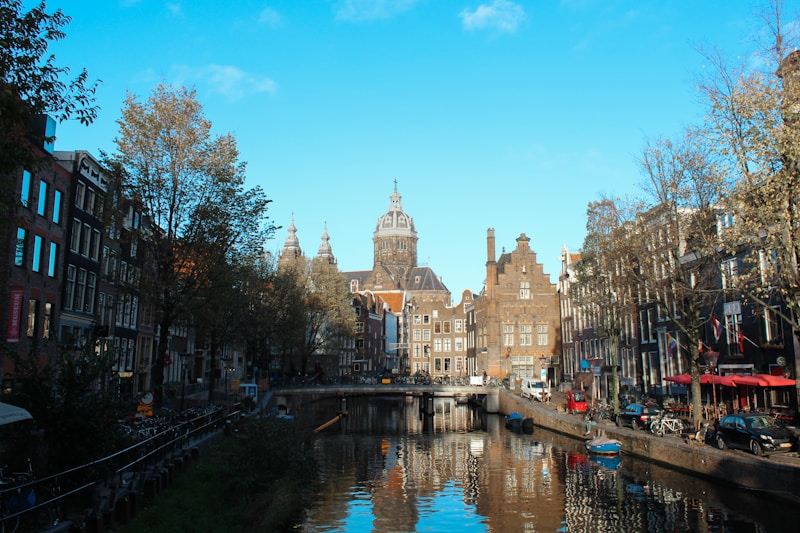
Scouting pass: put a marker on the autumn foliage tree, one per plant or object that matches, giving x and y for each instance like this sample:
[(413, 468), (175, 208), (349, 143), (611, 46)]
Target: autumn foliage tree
[(32, 83), (197, 214)]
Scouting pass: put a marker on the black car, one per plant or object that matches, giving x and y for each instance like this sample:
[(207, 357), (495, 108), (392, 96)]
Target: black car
[(756, 432), (637, 415)]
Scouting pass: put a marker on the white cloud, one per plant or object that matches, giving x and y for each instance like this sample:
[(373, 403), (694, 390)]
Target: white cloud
[(227, 80), (501, 15), (174, 9), (362, 10), (270, 17), (234, 83)]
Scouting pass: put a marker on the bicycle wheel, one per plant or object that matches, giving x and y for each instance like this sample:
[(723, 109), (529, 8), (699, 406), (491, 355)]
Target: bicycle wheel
[(8, 525), (48, 515)]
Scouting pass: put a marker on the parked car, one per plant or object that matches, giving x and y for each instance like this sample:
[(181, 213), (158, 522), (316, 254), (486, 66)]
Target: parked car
[(535, 390), (637, 415), (756, 432), (576, 401)]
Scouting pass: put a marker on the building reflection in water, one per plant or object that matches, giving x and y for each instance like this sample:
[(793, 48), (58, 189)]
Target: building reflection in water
[(388, 469)]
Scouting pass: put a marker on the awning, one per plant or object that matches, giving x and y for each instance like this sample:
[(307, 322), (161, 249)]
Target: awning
[(11, 413), (705, 379), (763, 380)]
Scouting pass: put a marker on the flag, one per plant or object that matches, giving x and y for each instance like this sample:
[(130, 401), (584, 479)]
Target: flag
[(672, 344), (717, 328), (740, 338)]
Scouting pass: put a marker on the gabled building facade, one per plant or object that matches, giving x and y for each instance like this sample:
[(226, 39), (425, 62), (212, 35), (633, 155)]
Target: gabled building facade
[(517, 322)]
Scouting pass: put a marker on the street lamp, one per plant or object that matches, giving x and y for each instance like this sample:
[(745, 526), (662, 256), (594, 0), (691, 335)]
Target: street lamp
[(712, 358)]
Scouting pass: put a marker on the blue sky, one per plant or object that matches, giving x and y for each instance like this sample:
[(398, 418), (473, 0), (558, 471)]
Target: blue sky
[(506, 114)]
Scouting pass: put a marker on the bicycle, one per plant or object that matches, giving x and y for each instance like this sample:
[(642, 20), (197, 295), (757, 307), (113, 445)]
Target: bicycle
[(665, 424), (27, 502)]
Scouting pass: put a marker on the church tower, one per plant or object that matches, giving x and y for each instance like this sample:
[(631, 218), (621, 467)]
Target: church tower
[(325, 251), (291, 248), (395, 241)]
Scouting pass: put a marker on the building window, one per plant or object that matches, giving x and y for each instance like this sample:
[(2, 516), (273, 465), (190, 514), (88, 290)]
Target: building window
[(91, 283), (33, 306), (446, 326), (80, 290), (426, 319), (729, 272), (773, 330), (69, 287), (96, 244), (75, 240), (38, 244), (86, 240), (733, 327), (525, 335), (447, 344), (541, 334), (459, 325), (417, 334), (508, 334), (51, 260), (57, 207), (25, 193), (426, 334), (48, 320), (80, 191), (437, 327), (524, 290), (417, 350), (41, 207), (437, 345), (19, 249)]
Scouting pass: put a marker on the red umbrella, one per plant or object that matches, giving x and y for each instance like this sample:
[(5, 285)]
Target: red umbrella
[(763, 380)]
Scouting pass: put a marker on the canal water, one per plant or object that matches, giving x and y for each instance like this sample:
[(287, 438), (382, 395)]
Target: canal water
[(388, 468)]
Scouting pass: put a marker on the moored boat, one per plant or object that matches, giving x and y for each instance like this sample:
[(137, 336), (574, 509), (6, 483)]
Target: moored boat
[(602, 445), (514, 421)]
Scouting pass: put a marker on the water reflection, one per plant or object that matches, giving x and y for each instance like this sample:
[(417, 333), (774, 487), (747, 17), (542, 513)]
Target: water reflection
[(389, 468)]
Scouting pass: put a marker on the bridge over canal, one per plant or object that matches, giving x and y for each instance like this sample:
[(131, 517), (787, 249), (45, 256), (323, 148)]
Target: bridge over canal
[(488, 397)]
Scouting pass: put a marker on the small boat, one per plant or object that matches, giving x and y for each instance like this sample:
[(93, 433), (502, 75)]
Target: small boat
[(514, 421), (602, 445)]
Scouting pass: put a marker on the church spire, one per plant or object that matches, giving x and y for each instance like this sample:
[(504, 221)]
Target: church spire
[(325, 250), (291, 246)]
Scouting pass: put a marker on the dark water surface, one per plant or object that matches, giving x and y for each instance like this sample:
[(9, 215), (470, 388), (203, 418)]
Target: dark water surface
[(385, 468)]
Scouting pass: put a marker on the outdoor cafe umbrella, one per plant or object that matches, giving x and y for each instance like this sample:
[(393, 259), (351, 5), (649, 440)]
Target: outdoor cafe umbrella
[(11, 413)]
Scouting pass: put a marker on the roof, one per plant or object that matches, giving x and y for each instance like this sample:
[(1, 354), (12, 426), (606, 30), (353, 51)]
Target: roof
[(425, 279)]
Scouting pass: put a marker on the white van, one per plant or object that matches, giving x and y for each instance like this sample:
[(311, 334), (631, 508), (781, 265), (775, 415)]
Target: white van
[(535, 389)]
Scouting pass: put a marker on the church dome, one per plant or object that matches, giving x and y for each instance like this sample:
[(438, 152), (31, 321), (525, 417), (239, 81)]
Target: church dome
[(395, 223)]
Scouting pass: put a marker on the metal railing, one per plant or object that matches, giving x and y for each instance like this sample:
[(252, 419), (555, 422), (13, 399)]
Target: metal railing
[(73, 491)]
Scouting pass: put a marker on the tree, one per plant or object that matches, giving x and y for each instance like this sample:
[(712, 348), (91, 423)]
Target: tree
[(599, 287), (196, 211), (752, 125), (32, 84), (676, 243), (329, 315)]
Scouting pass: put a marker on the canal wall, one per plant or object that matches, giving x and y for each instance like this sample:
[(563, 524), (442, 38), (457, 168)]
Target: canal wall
[(778, 474)]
